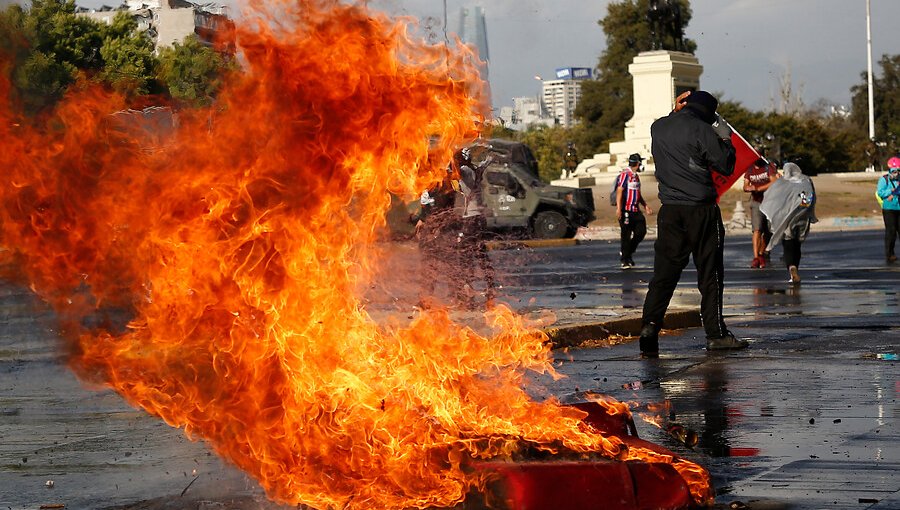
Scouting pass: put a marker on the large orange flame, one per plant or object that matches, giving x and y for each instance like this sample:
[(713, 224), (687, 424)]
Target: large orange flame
[(237, 252)]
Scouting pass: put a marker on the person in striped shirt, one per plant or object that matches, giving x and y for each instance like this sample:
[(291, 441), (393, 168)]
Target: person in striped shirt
[(628, 210)]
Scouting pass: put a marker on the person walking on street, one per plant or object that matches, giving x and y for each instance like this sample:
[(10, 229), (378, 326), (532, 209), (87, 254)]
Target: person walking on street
[(632, 225), (790, 206), (757, 180), (687, 146), (571, 161), (889, 192), (451, 230), (472, 237)]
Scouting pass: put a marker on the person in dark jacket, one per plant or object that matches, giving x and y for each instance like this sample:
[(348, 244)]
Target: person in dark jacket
[(570, 160), (687, 146)]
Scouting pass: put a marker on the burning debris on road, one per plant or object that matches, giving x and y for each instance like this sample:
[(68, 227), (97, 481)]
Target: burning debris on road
[(235, 255)]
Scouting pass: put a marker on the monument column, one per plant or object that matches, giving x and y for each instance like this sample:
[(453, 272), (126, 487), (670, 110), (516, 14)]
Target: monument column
[(659, 77)]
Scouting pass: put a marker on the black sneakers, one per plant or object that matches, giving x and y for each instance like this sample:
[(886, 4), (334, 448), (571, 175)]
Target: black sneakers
[(724, 343), (650, 340)]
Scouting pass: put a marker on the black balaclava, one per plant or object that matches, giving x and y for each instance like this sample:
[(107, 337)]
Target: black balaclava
[(703, 104)]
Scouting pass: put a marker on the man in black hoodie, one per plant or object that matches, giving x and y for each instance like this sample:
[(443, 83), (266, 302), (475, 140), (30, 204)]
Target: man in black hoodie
[(688, 145)]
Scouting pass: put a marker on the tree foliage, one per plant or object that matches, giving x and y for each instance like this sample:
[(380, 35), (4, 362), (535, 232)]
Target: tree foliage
[(607, 102), (41, 80), (821, 140), (128, 60), (192, 72), (817, 141), (72, 40), (886, 99), (47, 47)]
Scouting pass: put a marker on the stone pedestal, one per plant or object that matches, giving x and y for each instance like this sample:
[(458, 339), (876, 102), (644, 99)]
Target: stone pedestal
[(739, 218), (659, 77)]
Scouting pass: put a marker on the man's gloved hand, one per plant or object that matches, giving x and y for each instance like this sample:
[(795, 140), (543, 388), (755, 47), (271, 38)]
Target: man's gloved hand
[(722, 129)]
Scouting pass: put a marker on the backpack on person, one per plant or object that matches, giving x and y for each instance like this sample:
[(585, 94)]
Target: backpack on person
[(613, 199)]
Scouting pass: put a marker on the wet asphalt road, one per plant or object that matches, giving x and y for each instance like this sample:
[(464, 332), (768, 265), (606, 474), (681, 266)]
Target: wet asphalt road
[(807, 418)]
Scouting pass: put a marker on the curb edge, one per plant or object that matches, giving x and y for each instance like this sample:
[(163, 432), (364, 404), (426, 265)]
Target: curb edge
[(615, 331)]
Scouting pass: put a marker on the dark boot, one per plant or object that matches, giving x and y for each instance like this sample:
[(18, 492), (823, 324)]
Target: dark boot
[(650, 340), (724, 343)]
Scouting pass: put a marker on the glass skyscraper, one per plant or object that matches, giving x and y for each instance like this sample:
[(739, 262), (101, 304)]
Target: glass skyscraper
[(473, 31)]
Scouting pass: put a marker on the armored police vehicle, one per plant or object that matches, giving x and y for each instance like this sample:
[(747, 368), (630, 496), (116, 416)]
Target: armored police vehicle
[(515, 198)]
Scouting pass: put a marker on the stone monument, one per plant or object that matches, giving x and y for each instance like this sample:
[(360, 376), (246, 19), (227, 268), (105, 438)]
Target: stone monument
[(659, 77)]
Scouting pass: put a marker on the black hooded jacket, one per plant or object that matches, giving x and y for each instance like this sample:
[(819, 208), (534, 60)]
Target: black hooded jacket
[(685, 150)]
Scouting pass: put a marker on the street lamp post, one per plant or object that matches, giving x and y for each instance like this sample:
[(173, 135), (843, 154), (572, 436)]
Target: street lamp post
[(871, 168), (540, 99)]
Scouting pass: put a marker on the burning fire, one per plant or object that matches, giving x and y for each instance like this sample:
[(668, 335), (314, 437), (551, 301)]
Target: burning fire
[(235, 256)]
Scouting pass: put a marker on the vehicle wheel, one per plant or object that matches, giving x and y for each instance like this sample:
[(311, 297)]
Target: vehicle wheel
[(550, 225)]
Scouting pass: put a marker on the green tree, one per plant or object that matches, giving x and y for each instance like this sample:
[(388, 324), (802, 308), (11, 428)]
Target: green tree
[(886, 99), (502, 132), (549, 147), (41, 68), (607, 102), (193, 72), (819, 143), (846, 144), (14, 40), (41, 80), (49, 46), (128, 62), (58, 32)]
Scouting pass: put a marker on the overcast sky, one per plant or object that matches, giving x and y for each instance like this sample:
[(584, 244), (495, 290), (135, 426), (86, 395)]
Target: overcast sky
[(745, 46)]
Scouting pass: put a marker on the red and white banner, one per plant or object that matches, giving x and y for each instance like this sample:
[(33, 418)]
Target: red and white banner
[(744, 159)]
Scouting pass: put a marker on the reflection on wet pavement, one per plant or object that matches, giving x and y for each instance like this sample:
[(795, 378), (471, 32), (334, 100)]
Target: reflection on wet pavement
[(807, 417)]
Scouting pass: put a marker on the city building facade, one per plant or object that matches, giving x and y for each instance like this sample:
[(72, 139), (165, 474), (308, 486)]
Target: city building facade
[(169, 21), (560, 97), (554, 106), (525, 111)]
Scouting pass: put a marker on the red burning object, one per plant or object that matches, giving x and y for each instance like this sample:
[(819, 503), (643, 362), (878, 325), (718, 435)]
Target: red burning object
[(608, 485), (587, 484)]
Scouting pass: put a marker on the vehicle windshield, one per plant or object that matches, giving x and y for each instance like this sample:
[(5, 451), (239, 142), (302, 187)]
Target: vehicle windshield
[(514, 154)]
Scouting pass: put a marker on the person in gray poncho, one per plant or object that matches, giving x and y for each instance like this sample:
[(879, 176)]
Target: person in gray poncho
[(790, 206)]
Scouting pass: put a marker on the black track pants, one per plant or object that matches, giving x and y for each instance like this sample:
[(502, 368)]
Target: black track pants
[(891, 227), (791, 252), (686, 231), (633, 229)]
